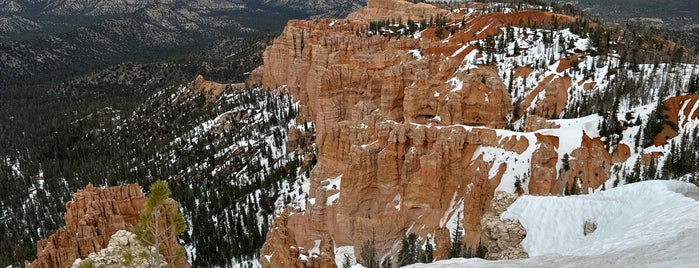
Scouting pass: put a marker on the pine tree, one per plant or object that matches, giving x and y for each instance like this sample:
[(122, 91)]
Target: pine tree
[(481, 250), (411, 251), (369, 259), (566, 162), (347, 262), (455, 250), (693, 84), (153, 229), (387, 263), (654, 125), (652, 170), (429, 251)]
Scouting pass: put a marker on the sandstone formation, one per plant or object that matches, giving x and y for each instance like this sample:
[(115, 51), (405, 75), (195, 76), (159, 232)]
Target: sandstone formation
[(395, 9), (502, 238), (679, 111), (286, 253), (409, 131), (123, 250), (94, 215), (210, 90)]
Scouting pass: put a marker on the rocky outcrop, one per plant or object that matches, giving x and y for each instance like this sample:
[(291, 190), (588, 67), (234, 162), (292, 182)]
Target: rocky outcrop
[(284, 252), (409, 132), (680, 110), (589, 227), (92, 217), (123, 250), (210, 90), (502, 238), (534, 122), (377, 9)]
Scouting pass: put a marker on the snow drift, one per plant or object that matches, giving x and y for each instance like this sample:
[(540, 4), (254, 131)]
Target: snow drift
[(651, 223)]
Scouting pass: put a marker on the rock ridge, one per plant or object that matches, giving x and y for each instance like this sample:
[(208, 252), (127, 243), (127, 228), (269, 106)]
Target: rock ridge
[(410, 132), (92, 217)]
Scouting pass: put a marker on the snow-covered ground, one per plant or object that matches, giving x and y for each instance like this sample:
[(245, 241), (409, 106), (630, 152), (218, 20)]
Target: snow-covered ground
[(646, 224)]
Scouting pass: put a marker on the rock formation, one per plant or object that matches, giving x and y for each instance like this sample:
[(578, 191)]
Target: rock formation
[(409, 131), (679, 111), (92, 217), (502, 238), (589, 227), (123, 250), (210, 90)]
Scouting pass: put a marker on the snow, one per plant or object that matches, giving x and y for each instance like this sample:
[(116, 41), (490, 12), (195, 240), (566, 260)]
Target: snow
[(331, 199), (397, 201), (458, 51), (646, 224), (334, 183), (450, 218), (316, 247), (456, 83), (627, 216), (342, 252), (416, 53)]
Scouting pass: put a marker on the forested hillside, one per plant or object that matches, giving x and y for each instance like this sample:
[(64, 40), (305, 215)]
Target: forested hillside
[(226, 162), (87, 95)]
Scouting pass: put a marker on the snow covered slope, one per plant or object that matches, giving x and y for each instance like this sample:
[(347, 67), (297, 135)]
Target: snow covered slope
[(645, 224)]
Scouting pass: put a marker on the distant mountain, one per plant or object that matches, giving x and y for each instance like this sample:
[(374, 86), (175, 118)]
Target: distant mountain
[(55, 38), (105, 7), (683, 14), (139, 34), (47, 13), (317, 8), (677, 20)]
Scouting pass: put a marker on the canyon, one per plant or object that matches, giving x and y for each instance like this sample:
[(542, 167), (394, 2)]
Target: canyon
[(412, 119), (411, 132)]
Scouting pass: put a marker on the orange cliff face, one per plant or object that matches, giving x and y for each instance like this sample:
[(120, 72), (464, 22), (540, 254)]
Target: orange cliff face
[(93, 216), (409, 134)]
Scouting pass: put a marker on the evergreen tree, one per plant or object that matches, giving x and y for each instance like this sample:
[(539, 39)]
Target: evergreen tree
[(651, 170), (429, 251), (481, 251), (693, 84), (387, 263), (635, 175), (152, 228), (654, 125), (566, 162), (455, 250), (347, 262), (369, 259), (411, 251)]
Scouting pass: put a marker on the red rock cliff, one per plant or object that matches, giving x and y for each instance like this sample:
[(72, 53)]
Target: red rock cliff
[(409, 131), (93, 216)]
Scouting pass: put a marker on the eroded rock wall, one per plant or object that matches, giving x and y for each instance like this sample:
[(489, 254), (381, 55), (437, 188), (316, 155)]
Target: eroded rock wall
[(409, 134), (92, 217), (502, 238)]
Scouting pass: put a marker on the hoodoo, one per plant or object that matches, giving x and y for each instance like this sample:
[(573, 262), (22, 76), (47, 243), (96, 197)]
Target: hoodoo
[(415, 107), (94, 215)]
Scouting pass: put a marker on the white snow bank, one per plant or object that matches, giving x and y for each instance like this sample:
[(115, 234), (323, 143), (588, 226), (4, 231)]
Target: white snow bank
[(646, 224), (344, 252), (629, 216)]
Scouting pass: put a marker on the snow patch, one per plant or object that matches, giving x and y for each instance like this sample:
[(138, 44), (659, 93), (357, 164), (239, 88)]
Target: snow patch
[(639, 214), (646, 224)]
